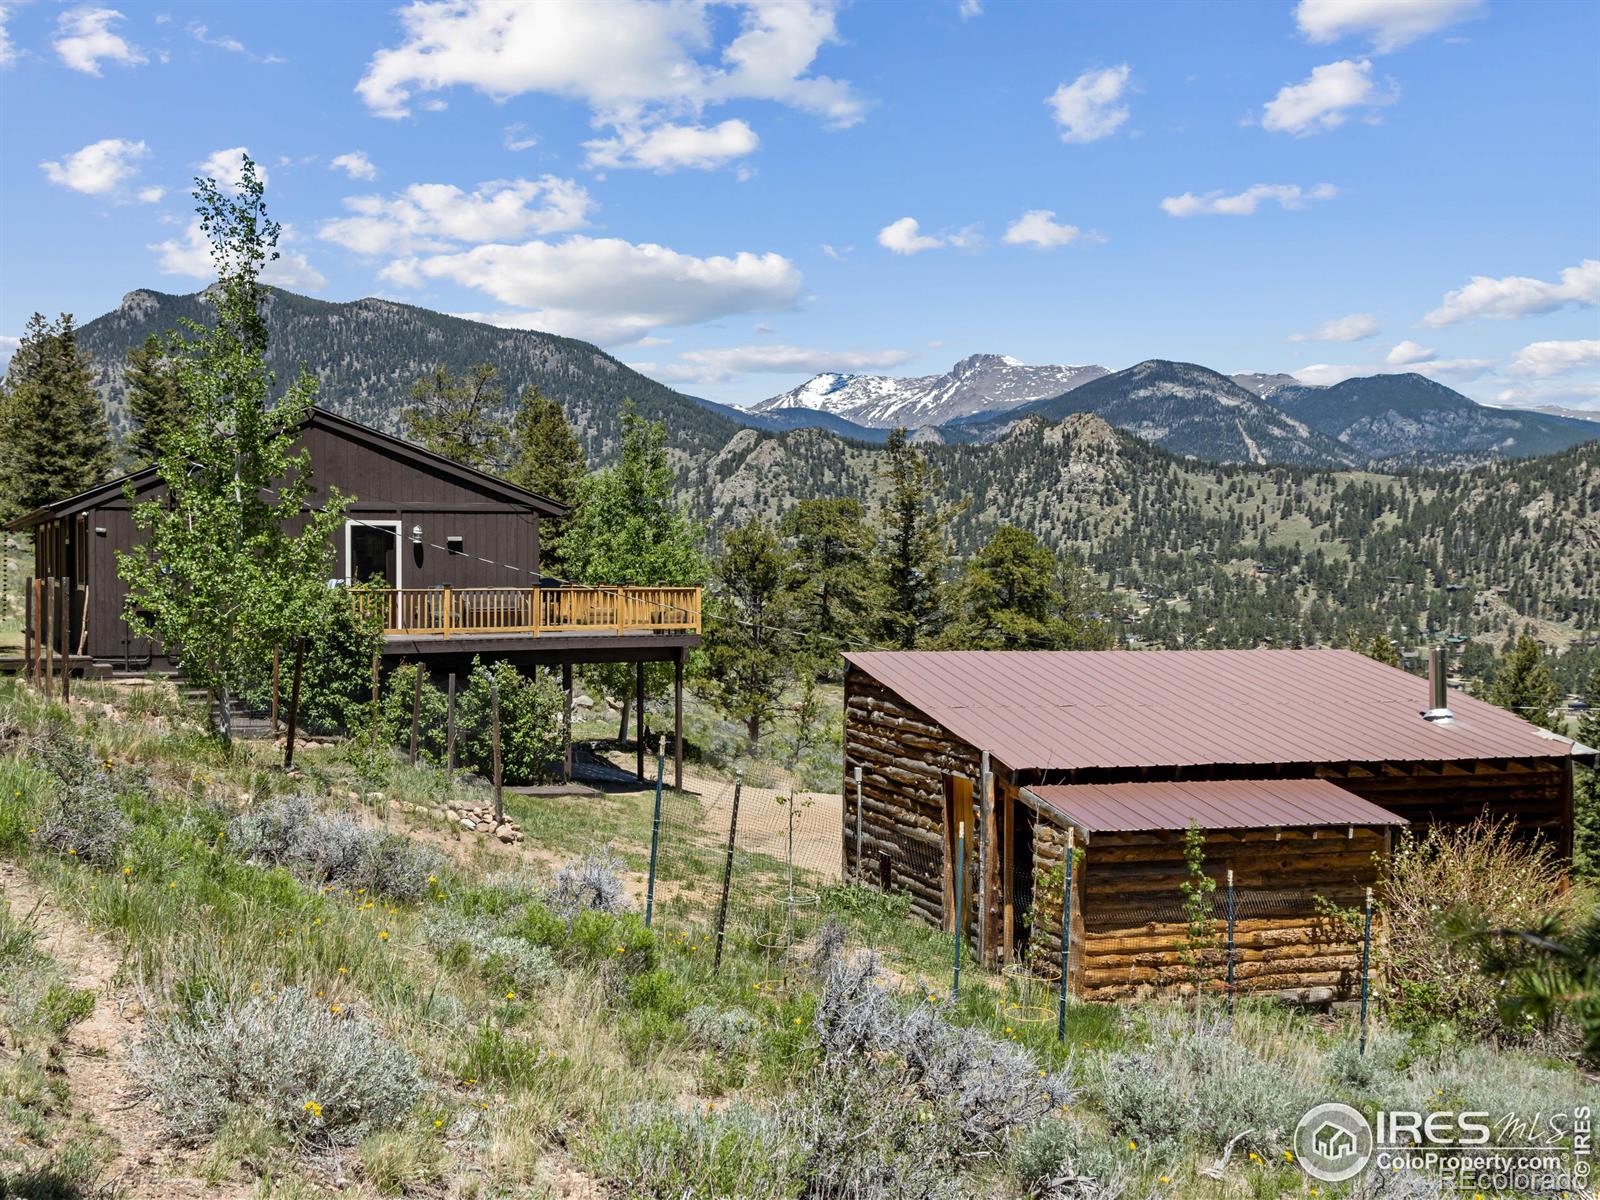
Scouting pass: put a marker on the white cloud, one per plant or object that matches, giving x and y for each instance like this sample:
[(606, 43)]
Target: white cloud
[(202, 34), (1573, 394), (1408, 353), (1390, 24), (151, 195), (8, 55), (191, 255), (727, 364), (607, 289), (1038, 228), (906, 237), (640, 67), (1518, 296), (518, 138), (1540, 360), (970, 9), (1325, 374), (666, 147), (84, 38), (837, 253), (8, 347), (1453, 368), (1324, 101), (434, 217), (100, 168), (1087, 109), (355, 164), (1245, 203), (227, 167), (1353, 328)]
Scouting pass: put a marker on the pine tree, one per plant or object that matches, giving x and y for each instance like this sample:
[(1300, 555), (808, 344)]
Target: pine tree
[(546, 458), (839, 594), (752, 647), (1381, 649), (462, 419), (629, 528), (914, 546), (155, 399), (1015, 595), (55, 439), (1522, 683), (235, 561)]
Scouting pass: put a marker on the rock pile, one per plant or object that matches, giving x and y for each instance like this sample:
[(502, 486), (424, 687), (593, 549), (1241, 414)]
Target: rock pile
[(469, 818)]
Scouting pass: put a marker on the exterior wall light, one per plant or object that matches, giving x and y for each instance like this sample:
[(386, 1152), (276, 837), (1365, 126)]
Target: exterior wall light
[(416, 535)]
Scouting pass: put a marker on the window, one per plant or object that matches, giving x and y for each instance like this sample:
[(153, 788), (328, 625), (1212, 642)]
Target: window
[(455, 544)]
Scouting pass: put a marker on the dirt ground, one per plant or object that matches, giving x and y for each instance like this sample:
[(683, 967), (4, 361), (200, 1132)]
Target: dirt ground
[(764, 820), (145, 1167)]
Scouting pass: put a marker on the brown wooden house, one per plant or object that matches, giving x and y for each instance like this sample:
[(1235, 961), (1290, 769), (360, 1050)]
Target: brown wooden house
[(456, 549), (1299, 765)]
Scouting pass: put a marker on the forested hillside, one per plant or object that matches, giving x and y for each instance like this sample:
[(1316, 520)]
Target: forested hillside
[(366, 354), (1225, 555)]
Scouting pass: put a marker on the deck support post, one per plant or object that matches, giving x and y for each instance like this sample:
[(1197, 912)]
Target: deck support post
[(566, 720), (677, 720), (638, 719)]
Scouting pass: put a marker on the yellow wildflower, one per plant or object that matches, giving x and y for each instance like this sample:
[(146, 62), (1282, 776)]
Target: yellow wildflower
[(312, 1107)]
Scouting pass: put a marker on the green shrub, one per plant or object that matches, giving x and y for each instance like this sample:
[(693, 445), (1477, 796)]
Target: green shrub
[(1484, 870), (495, 1054), (531, 709), (509, 963), (319, 1076), (657, 991), (660, 1152), (336, 674), (399, 693)]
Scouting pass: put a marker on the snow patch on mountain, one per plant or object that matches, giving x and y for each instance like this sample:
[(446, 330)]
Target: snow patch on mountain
[(979, 384)]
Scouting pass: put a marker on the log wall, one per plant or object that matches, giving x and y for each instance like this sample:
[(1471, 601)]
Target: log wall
[(1281, 940), (1534, 792), (904, 756)]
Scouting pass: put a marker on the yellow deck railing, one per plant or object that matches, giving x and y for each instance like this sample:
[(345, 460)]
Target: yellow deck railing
[(444, 611)]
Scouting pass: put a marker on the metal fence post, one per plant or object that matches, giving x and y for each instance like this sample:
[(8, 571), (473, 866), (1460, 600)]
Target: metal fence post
[(727, 870), (655, 840), (1230, 943), (859, 871), (1066, 938), (1366, 955), (960, 914)]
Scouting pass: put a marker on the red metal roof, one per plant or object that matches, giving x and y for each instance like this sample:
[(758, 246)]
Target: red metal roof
[(1221, 804), (1070, 709)]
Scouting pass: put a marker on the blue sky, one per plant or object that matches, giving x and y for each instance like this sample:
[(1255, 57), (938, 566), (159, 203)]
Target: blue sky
[(734, 196)]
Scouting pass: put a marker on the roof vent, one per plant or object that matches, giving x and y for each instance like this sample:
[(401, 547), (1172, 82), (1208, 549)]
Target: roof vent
[(1438, 699)]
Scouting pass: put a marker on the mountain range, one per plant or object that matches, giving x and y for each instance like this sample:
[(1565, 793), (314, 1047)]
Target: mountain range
[(982, 383), (366, 354), (1128, 472)]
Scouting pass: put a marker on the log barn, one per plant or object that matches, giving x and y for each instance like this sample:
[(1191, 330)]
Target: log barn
[(1299, 766)]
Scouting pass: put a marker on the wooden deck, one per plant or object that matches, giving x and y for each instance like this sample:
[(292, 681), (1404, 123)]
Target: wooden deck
[(446, 612)]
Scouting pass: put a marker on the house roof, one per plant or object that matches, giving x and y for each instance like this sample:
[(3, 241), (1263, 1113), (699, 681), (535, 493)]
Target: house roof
[(385, 443), (1212, 804), (1076, 709)]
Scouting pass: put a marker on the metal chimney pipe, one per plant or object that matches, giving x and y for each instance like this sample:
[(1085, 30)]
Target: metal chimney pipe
[(1438, 689)]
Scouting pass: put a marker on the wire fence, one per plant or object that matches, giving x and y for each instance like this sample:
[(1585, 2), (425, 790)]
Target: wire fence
[(759, 868)]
